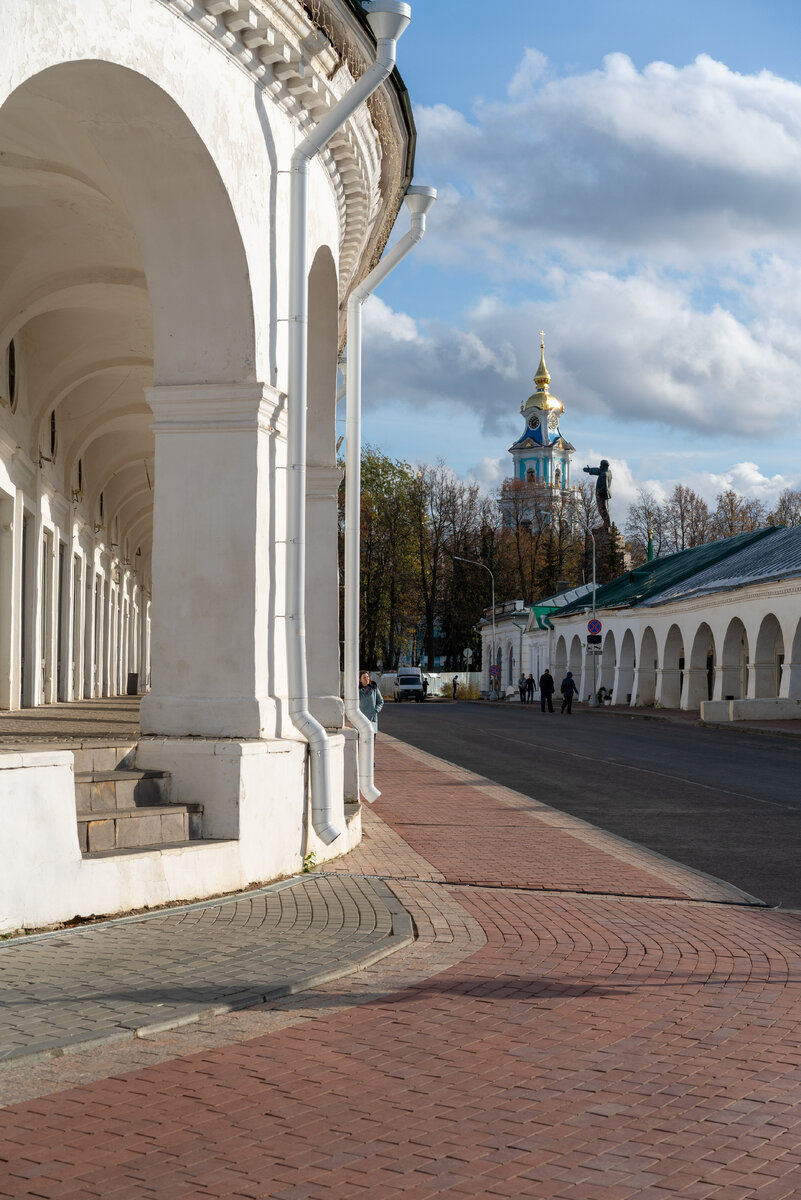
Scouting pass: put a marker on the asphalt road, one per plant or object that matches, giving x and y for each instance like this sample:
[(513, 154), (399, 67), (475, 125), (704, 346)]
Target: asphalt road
[(728, 803)]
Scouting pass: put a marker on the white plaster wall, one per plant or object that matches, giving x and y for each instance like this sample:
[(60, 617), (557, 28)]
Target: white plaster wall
[(252, 793)]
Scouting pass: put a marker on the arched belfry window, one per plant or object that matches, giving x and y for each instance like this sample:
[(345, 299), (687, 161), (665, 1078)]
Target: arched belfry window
[(12, 375), (9, 389)]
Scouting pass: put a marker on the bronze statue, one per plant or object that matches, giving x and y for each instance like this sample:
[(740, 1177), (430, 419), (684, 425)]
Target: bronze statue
[(603, 490)]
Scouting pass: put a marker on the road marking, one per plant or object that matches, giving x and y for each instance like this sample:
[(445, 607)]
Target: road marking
[(611, 762)]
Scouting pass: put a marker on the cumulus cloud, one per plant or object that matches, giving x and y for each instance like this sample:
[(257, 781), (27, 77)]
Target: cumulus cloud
[(684, 163), (648, 220)]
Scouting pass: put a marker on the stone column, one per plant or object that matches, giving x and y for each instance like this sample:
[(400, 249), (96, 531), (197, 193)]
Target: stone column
[(694, 688), (218, 594), (791, 681), (761, 678), (668, 691)]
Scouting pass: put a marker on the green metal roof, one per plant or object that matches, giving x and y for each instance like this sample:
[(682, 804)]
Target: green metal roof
[(662, 573)]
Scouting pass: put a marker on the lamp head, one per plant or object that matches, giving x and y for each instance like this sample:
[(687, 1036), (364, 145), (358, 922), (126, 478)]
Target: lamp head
[(388, 18), (420, 199)]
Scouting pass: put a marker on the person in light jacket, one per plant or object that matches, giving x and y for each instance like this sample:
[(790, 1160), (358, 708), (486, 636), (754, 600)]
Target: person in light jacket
[(370, 699)]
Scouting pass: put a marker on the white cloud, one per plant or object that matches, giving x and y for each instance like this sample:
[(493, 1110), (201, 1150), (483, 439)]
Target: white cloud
[(489, 473), (650, 220), (691, 164)]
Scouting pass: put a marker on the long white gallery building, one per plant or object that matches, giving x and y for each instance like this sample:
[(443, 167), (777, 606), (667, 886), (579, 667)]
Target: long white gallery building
[(715, 629), (190, 191)]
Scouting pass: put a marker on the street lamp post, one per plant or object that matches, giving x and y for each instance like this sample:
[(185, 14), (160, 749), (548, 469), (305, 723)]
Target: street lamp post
[(476, 563), (593, 700)]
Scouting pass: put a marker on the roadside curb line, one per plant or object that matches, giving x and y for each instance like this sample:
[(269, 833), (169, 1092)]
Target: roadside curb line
[(529, 804)]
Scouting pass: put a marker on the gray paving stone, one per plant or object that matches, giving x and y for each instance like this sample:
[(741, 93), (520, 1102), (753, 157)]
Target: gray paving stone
[(115, 979)]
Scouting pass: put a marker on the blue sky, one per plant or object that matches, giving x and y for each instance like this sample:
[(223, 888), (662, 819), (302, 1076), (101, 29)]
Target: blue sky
[(626, 176)]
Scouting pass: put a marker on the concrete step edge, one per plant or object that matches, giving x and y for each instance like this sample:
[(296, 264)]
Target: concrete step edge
[(122, 775), (193, 844), (144, 810)]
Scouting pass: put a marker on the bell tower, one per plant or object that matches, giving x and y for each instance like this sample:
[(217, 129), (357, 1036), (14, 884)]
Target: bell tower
[(541, 454)]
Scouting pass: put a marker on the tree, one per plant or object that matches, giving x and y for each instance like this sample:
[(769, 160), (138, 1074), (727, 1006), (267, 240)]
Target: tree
[(734, 514), (645, 519), (686, 519), (388, 593), (787, 510)]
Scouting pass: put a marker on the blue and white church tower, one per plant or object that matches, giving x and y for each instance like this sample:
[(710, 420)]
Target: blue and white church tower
[(541, 454)]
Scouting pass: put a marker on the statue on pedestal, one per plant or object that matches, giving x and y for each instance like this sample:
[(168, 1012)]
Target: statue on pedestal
[(603, 490)]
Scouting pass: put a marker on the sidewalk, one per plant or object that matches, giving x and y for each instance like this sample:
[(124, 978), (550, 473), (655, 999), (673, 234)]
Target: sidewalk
[(577, 1019), (788, 728)]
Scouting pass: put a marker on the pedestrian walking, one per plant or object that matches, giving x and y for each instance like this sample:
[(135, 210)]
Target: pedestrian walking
[(530, 686), (521, 687), (425, 687), (370, 699), (547, 689), (455, 685), (568, 690)]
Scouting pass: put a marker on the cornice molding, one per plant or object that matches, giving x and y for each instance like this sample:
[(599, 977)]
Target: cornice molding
[(217, 408), (277, 44)]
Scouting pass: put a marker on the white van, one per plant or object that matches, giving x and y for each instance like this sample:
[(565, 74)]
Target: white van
[(409, 684)]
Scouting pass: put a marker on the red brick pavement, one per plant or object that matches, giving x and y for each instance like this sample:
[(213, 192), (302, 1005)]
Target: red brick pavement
[(595, 1048), (476, 833)]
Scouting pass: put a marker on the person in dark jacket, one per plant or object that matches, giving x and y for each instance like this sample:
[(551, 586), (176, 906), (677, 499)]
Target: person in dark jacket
[(547, 689), (568, 690), (521, 687), (530, 685)]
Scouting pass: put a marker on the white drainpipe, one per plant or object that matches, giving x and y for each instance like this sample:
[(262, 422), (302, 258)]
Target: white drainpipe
[(388, 19), (418, 200)]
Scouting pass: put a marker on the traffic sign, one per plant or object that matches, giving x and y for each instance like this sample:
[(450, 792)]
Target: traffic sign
[(495, 672), (595, 650), (594, 626)]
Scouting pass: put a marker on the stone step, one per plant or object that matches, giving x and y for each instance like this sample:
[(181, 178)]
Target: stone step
[(120, 789), (103, 756), (194, 846), (149, 827)]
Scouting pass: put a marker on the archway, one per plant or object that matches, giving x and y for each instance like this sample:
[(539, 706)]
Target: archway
[(125, 274), (624, 684), (606, 679), (734, 662), (700, 675), (672, 672), (766, 672), (323, 478), (791, 675), (575, 661), (646, 673), (560, 660)]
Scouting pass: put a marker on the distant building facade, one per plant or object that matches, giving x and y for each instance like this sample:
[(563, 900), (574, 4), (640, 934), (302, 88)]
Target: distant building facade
[(716, 628)]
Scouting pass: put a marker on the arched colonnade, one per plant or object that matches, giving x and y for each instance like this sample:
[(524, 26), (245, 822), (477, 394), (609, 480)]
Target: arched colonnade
[(694, 657)]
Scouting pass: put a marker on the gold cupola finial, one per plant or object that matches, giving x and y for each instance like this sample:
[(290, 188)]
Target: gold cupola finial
[(542, 378)]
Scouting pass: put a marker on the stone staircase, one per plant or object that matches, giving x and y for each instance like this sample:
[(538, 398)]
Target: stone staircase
[(123, 810)]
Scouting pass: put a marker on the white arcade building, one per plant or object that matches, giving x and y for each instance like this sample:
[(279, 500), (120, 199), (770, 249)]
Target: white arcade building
[(189, 192), (715, 629)]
